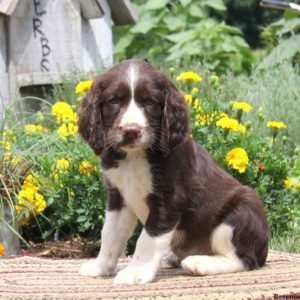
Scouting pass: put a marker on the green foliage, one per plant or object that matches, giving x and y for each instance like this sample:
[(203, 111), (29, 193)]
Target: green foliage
[(75, 197), (65, 172), (175, 31), (271, 161)]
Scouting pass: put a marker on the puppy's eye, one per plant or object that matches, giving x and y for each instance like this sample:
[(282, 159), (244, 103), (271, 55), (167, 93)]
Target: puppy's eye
[(111, 106), (114, 101), (148, 102)]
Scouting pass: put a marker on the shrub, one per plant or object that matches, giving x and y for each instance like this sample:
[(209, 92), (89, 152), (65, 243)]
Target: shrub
[(259, 160), (181, 30), (57, 187), (57, 182)]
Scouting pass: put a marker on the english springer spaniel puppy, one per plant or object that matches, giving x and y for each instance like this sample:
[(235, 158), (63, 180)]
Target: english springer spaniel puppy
[(194, 213)]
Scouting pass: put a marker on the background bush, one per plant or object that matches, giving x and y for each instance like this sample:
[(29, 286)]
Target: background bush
[(178, 30)]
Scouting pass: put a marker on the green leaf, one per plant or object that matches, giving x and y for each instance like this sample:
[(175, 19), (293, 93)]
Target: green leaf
[(185, 2), (82, 219), (216, 4), (290, 26), (181, 37), (174, 23), (196, 11), (143, 26), (155, 4), (289, 14), (122, 43)]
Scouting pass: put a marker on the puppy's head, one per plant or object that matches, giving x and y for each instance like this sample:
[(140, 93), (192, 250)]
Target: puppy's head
[(133, 106)]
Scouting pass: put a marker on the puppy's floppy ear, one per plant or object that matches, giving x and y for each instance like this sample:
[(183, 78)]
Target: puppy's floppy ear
[(175, 120), (90, 125)]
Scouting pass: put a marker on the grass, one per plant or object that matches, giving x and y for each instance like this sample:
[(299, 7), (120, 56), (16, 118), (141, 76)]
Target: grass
[(276, 90), (287, 242)]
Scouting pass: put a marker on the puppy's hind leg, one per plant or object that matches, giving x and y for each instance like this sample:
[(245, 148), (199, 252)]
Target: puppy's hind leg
[(225, 259)]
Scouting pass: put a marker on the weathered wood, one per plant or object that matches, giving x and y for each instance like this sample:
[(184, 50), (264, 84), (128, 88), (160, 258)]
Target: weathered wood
[(7, 7), (41, 41), (91, 9), (122, 12)]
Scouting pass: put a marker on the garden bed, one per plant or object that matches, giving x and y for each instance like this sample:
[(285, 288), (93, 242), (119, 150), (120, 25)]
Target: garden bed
[(28, 277)]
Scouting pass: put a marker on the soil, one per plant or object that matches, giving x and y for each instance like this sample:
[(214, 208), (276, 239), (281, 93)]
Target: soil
[(76, 248)]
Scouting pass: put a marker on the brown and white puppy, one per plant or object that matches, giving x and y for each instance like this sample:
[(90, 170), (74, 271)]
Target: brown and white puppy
[(192, 210)]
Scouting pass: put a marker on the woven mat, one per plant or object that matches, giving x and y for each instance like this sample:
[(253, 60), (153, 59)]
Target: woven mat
[(37, 278)]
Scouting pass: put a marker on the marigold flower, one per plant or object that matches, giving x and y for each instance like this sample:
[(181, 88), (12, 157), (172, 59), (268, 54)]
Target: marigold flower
[(31, 182), (189, 76), (33, 128), (275, 124), (83, 87), (66, 130), (63, 112), (2, 249), (291, 183), (188, 99), (238, 159), (232, 124), (31, 199), (242, 106), (86, 168), (62, 164)]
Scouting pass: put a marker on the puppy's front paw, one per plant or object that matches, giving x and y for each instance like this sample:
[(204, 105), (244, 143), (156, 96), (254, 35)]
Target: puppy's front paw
[(134, 275), (94, 269)]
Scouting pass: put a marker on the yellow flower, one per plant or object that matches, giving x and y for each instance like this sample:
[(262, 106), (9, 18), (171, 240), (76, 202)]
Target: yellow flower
[(2, 249), (31, 182), (275, 124), (86, 168), (6, 145), (242, 106), (291, 183), (83, 87), (63, 112), (188, 99), (66, 130), (189, 76), (33, 128), (197, 105), (238, 159), (62, 164), (232, 124), (15, 159), (195, 90), (31, 199), (288, 182), (206, 119)]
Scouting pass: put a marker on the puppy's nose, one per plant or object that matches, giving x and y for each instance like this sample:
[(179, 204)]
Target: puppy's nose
[(132, 131)]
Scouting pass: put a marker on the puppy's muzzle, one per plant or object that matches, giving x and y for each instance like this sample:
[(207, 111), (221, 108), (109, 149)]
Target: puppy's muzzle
[(131, 133)]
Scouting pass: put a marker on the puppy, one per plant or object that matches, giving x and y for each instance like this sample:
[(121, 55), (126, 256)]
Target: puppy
[(193, 211)]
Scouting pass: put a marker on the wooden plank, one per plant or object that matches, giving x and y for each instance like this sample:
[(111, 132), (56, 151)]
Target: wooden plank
[(91, 9), (122, 12), (7, 7)]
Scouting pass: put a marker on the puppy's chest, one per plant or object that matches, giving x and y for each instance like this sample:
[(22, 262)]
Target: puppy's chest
[(134, 180)]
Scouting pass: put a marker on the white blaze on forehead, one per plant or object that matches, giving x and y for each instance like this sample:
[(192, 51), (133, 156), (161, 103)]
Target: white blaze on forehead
[(133, 114)]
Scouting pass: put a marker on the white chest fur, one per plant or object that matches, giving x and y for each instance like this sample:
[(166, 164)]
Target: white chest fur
[(134, 180)]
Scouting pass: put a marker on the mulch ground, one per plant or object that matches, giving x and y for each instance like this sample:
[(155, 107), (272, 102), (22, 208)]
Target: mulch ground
[(32, 277)]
